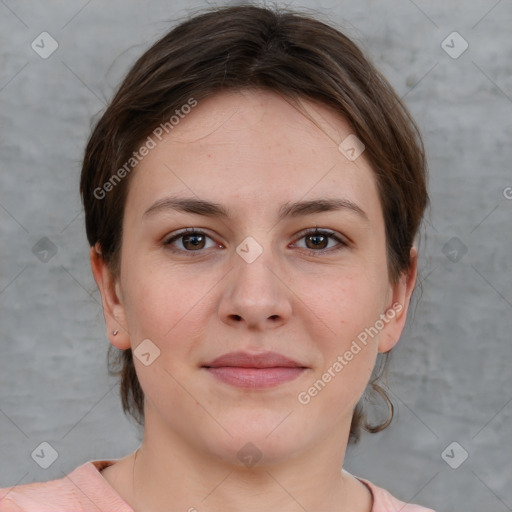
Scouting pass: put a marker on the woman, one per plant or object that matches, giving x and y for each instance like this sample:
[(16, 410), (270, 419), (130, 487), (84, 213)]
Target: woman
[(252, 195)]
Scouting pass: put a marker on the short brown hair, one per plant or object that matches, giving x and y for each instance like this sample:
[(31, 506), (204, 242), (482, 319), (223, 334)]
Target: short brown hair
[(283, 51)]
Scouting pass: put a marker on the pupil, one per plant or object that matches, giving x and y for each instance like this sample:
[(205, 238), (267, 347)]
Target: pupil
[(187, 239), (317, 237), (194, 240)]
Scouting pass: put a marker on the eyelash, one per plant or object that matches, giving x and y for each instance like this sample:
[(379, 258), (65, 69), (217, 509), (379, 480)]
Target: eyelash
[(310, 232)]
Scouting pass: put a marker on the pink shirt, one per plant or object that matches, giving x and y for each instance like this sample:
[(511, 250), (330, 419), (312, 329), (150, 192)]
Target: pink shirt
[(85, 490)]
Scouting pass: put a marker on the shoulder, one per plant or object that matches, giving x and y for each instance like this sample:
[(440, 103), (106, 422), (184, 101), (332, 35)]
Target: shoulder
[(383, 501), (83, 489)]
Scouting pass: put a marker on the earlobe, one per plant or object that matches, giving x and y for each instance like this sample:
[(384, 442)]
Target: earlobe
[(113, 307), (401, 296)]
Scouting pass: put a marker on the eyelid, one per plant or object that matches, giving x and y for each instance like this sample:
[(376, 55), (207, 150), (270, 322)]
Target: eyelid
[(176, 235), (342, 240)]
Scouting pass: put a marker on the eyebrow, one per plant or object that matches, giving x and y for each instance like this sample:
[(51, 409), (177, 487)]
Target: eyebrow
[(212, 209)]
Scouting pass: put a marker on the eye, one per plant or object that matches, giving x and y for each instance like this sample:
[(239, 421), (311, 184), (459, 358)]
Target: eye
[(317, 240), (190, 240), (193, 241)]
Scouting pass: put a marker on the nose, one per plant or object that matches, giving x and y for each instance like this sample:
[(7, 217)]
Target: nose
[(254, 294)]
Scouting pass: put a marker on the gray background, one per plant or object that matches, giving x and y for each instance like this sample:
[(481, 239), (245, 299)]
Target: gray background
[(450, 374)]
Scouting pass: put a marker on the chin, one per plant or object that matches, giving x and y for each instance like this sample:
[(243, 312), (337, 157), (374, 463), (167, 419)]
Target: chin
[(259, 440)]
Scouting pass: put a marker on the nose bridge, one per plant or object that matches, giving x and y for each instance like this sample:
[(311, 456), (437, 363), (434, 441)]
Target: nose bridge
[(254, 293), (253, 263)]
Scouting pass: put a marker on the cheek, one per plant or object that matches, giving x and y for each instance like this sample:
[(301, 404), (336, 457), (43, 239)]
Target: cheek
[(350, 303), (150, 314), (335, 390), (145, 305), (349, 347), (168, 308)]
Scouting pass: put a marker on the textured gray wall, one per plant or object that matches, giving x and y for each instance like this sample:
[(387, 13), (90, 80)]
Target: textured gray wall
[(450, 374)]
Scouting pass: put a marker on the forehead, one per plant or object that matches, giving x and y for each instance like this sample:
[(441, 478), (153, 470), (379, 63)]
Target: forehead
[(253, 147)]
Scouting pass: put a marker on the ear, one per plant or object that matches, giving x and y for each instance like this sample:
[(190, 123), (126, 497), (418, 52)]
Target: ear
[(111, 298), (398, 305)]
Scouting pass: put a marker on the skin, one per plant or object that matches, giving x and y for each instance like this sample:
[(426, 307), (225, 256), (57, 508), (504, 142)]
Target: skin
[(251, 152)]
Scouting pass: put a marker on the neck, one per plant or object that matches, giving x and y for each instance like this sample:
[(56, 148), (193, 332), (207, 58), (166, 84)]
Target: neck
[(167, 470)]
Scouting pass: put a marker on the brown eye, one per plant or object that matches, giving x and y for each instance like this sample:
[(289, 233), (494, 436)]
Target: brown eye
[(317, 241), (189, 240), (193, 241)]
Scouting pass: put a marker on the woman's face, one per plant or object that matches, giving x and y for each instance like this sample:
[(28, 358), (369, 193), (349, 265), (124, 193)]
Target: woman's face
[(256, 280)]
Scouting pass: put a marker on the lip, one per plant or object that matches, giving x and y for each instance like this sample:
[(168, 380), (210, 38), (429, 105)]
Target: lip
[(242, 359), (255, 371)]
